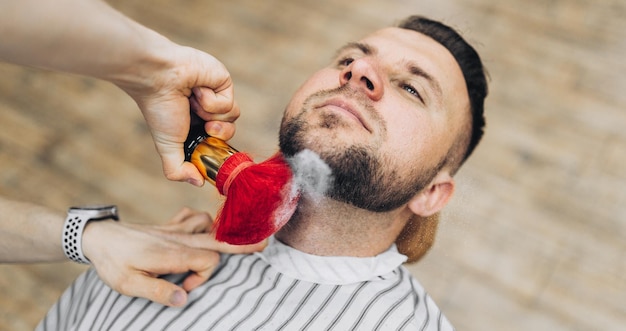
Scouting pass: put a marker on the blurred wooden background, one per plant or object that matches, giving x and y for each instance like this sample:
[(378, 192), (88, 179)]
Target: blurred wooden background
[(534, 238)]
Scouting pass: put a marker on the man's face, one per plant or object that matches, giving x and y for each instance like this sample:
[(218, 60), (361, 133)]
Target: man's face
[(383, 116)]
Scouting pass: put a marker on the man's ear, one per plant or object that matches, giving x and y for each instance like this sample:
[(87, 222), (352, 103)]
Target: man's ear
[(434, 196)]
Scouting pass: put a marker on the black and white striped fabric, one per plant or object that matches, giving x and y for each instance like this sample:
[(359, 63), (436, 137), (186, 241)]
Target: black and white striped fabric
[(278, 289)]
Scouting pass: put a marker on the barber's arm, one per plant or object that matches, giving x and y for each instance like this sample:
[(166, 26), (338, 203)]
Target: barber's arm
[(128, 257), (88, 37), (25, 233)]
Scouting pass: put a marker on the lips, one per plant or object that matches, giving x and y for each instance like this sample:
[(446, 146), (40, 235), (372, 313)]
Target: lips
[(346, 108)]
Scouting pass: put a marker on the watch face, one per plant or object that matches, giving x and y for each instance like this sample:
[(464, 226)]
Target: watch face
[(96, 212), (94, 207)]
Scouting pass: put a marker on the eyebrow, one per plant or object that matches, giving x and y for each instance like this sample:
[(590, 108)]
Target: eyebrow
[(413, 68), (417, 71), (365, 48)]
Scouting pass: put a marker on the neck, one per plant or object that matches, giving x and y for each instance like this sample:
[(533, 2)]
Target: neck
[(326, 227)]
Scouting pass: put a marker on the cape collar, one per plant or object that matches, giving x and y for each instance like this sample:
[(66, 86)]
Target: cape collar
[(335, 270)]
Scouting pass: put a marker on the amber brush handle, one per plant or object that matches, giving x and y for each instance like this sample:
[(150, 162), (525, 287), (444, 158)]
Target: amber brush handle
[(205, 152)]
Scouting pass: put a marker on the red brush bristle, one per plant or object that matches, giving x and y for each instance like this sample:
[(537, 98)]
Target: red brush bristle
[(259, 198)]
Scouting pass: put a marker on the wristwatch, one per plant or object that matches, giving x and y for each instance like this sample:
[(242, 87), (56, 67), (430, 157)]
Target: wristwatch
[(77, 218)]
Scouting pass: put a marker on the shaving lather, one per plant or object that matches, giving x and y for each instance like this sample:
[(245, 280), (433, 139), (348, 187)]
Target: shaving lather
[(259, 198)]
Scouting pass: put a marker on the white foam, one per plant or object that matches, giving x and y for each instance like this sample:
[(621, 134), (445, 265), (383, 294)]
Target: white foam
[(312, 176)]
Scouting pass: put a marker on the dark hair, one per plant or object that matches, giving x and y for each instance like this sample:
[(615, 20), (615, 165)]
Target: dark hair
[(471, 66)]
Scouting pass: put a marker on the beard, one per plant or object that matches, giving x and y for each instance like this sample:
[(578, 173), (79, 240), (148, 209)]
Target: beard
[(361, 176)]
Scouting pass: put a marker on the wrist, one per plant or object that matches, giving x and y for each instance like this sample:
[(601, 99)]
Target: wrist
[(143, 66), (77, 221), (95, 238)]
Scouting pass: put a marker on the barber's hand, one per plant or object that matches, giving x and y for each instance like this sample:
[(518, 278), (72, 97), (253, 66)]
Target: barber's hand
[(186, 79), (130, 257)]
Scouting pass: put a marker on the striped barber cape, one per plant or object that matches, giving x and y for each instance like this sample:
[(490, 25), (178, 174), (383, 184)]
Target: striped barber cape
[(278, 289)]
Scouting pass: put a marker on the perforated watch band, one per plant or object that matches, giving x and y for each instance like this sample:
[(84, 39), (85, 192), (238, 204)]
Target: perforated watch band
[(73, 238), (77, 219)]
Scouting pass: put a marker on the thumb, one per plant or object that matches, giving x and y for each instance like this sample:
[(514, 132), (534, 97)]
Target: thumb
[(175, 168), (155, 289)]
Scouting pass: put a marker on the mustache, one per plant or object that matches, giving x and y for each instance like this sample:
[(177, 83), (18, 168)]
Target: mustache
[(352, 94)]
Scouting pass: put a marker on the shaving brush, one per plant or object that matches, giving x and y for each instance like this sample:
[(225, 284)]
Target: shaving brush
[(259, 198)]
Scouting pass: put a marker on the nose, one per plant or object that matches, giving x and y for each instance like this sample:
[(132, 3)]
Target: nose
[(363, 75)]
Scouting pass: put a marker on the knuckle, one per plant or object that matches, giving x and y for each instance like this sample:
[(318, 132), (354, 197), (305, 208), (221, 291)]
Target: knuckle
[(123, 287)]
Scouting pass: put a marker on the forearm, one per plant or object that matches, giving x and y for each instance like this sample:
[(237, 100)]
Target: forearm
[(29, 233), (166, 80), (85, 37)]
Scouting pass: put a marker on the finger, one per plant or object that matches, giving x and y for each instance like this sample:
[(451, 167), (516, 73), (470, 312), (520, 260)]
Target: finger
[(195, 106), (214, 101), (216, 113), (196, 222), (196, 279), (241, 249), (219, 129), (182, 214), (154, 289), (230, 116), (208, 241), (217, 125), (201, 263), (204, 241)]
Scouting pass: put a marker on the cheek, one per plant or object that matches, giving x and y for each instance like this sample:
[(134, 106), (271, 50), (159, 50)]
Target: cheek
[(413, 138), (407, 128)]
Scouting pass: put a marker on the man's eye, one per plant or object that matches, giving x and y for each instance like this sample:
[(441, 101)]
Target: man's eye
[(412, 90), (345, 61)]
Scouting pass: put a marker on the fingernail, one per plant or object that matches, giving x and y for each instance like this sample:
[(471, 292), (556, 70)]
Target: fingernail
[(215, 129), (178, 298), (194, 182)]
